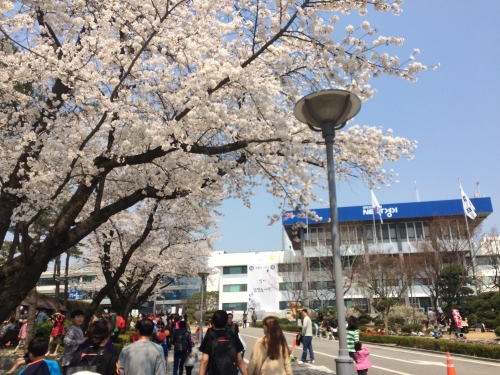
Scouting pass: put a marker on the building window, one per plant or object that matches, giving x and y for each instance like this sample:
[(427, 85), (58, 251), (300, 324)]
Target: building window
[(284, 305), (291, 286), (421, 281), (234, 270), (234, 288), (238, 306), (47, 281), (178, 294), (88, 279), (289, 267), (321, 285), (483, 261)]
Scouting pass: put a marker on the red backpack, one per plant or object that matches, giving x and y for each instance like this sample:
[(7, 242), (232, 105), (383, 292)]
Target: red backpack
[(120, 323)]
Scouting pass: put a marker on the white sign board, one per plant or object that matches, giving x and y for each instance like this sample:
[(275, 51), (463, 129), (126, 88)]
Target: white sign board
[(263, 281)]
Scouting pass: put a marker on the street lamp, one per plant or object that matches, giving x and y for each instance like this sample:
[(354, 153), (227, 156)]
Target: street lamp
[(327, 111), (203, 276)]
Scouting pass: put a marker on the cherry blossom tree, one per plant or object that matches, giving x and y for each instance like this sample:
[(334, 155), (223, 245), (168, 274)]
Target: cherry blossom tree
[(140, 252), (165, 99)]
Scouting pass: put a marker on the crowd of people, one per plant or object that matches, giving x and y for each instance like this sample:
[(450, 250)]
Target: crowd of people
[(222, 347)]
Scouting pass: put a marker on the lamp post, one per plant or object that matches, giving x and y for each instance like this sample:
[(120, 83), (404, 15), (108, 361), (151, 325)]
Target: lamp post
[(203, 276), (327, 111)]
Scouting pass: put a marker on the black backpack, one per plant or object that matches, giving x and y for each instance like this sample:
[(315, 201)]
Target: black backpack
[(181, 343), (223, 356), (87, 362)]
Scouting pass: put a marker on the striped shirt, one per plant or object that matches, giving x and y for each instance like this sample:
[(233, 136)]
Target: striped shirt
[(352, 337)]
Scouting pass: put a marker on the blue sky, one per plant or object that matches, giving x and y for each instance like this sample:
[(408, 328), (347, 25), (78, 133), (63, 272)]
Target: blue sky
[(453, 112)]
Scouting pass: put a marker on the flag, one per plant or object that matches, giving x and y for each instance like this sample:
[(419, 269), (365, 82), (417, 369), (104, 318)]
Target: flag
[(377, 208), (287, 244), (469, 208)]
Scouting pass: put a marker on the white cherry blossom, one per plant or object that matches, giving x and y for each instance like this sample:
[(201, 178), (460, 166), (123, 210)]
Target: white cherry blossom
[(107, 104)]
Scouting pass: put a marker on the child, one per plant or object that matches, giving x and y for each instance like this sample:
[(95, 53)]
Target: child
[(437, 335), (22, 335), (362, 363), (73, 338), (57, 331), (38, 365)]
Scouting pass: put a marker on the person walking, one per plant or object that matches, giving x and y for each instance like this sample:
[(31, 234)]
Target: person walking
[(245, 318), (221, 349), (22, 335), (231, 326), (143, 356), (352, 335), (360, 355), (432, 317), (98, 354), (270, 355), (307, 336), (182, 347), (254, 319)]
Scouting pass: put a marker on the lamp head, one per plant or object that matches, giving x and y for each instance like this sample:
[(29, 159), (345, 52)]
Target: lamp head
[(335, 106), (203, 274)]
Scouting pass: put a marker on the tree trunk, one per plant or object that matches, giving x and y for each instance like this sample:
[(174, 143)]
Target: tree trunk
[(57, 278), (66, 271), (30, 331)]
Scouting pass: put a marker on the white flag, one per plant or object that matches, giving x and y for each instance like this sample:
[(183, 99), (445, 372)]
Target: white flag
[(377, 208), (469, 208)]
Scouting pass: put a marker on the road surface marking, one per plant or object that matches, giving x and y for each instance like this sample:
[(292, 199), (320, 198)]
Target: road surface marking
[(417, 352), (334, 356)]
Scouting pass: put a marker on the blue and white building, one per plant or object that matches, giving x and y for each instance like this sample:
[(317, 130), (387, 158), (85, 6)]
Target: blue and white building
[(307, 239)]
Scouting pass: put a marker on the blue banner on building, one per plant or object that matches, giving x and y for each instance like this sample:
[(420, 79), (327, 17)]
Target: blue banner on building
[(393, 211), (75, 294)]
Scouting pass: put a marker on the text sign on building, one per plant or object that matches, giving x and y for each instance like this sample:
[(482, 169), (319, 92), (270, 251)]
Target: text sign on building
[(75, 294), (263, 281), (391, 211)]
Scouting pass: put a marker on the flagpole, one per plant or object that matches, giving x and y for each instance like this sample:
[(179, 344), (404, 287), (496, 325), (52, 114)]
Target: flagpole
[(472, 252), (374, 228)]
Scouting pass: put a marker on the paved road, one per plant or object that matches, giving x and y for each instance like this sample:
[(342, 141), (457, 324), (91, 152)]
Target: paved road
[(386, 360)]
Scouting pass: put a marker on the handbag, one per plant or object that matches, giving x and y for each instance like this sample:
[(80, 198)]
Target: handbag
[(190, 361), (299, 339)]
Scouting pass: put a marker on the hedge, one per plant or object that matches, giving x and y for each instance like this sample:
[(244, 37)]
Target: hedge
[(288, 327), (409, 328), (497, 331), (475, 350)]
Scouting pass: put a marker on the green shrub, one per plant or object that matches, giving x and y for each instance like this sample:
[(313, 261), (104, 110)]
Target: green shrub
[(378, 322), (363, 328), (364, 318), (124, 339), (283, 321), (496, 322), (118, 348), (476, 350), (497, 331), (409, 328), (44, 329), (488, 323)]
